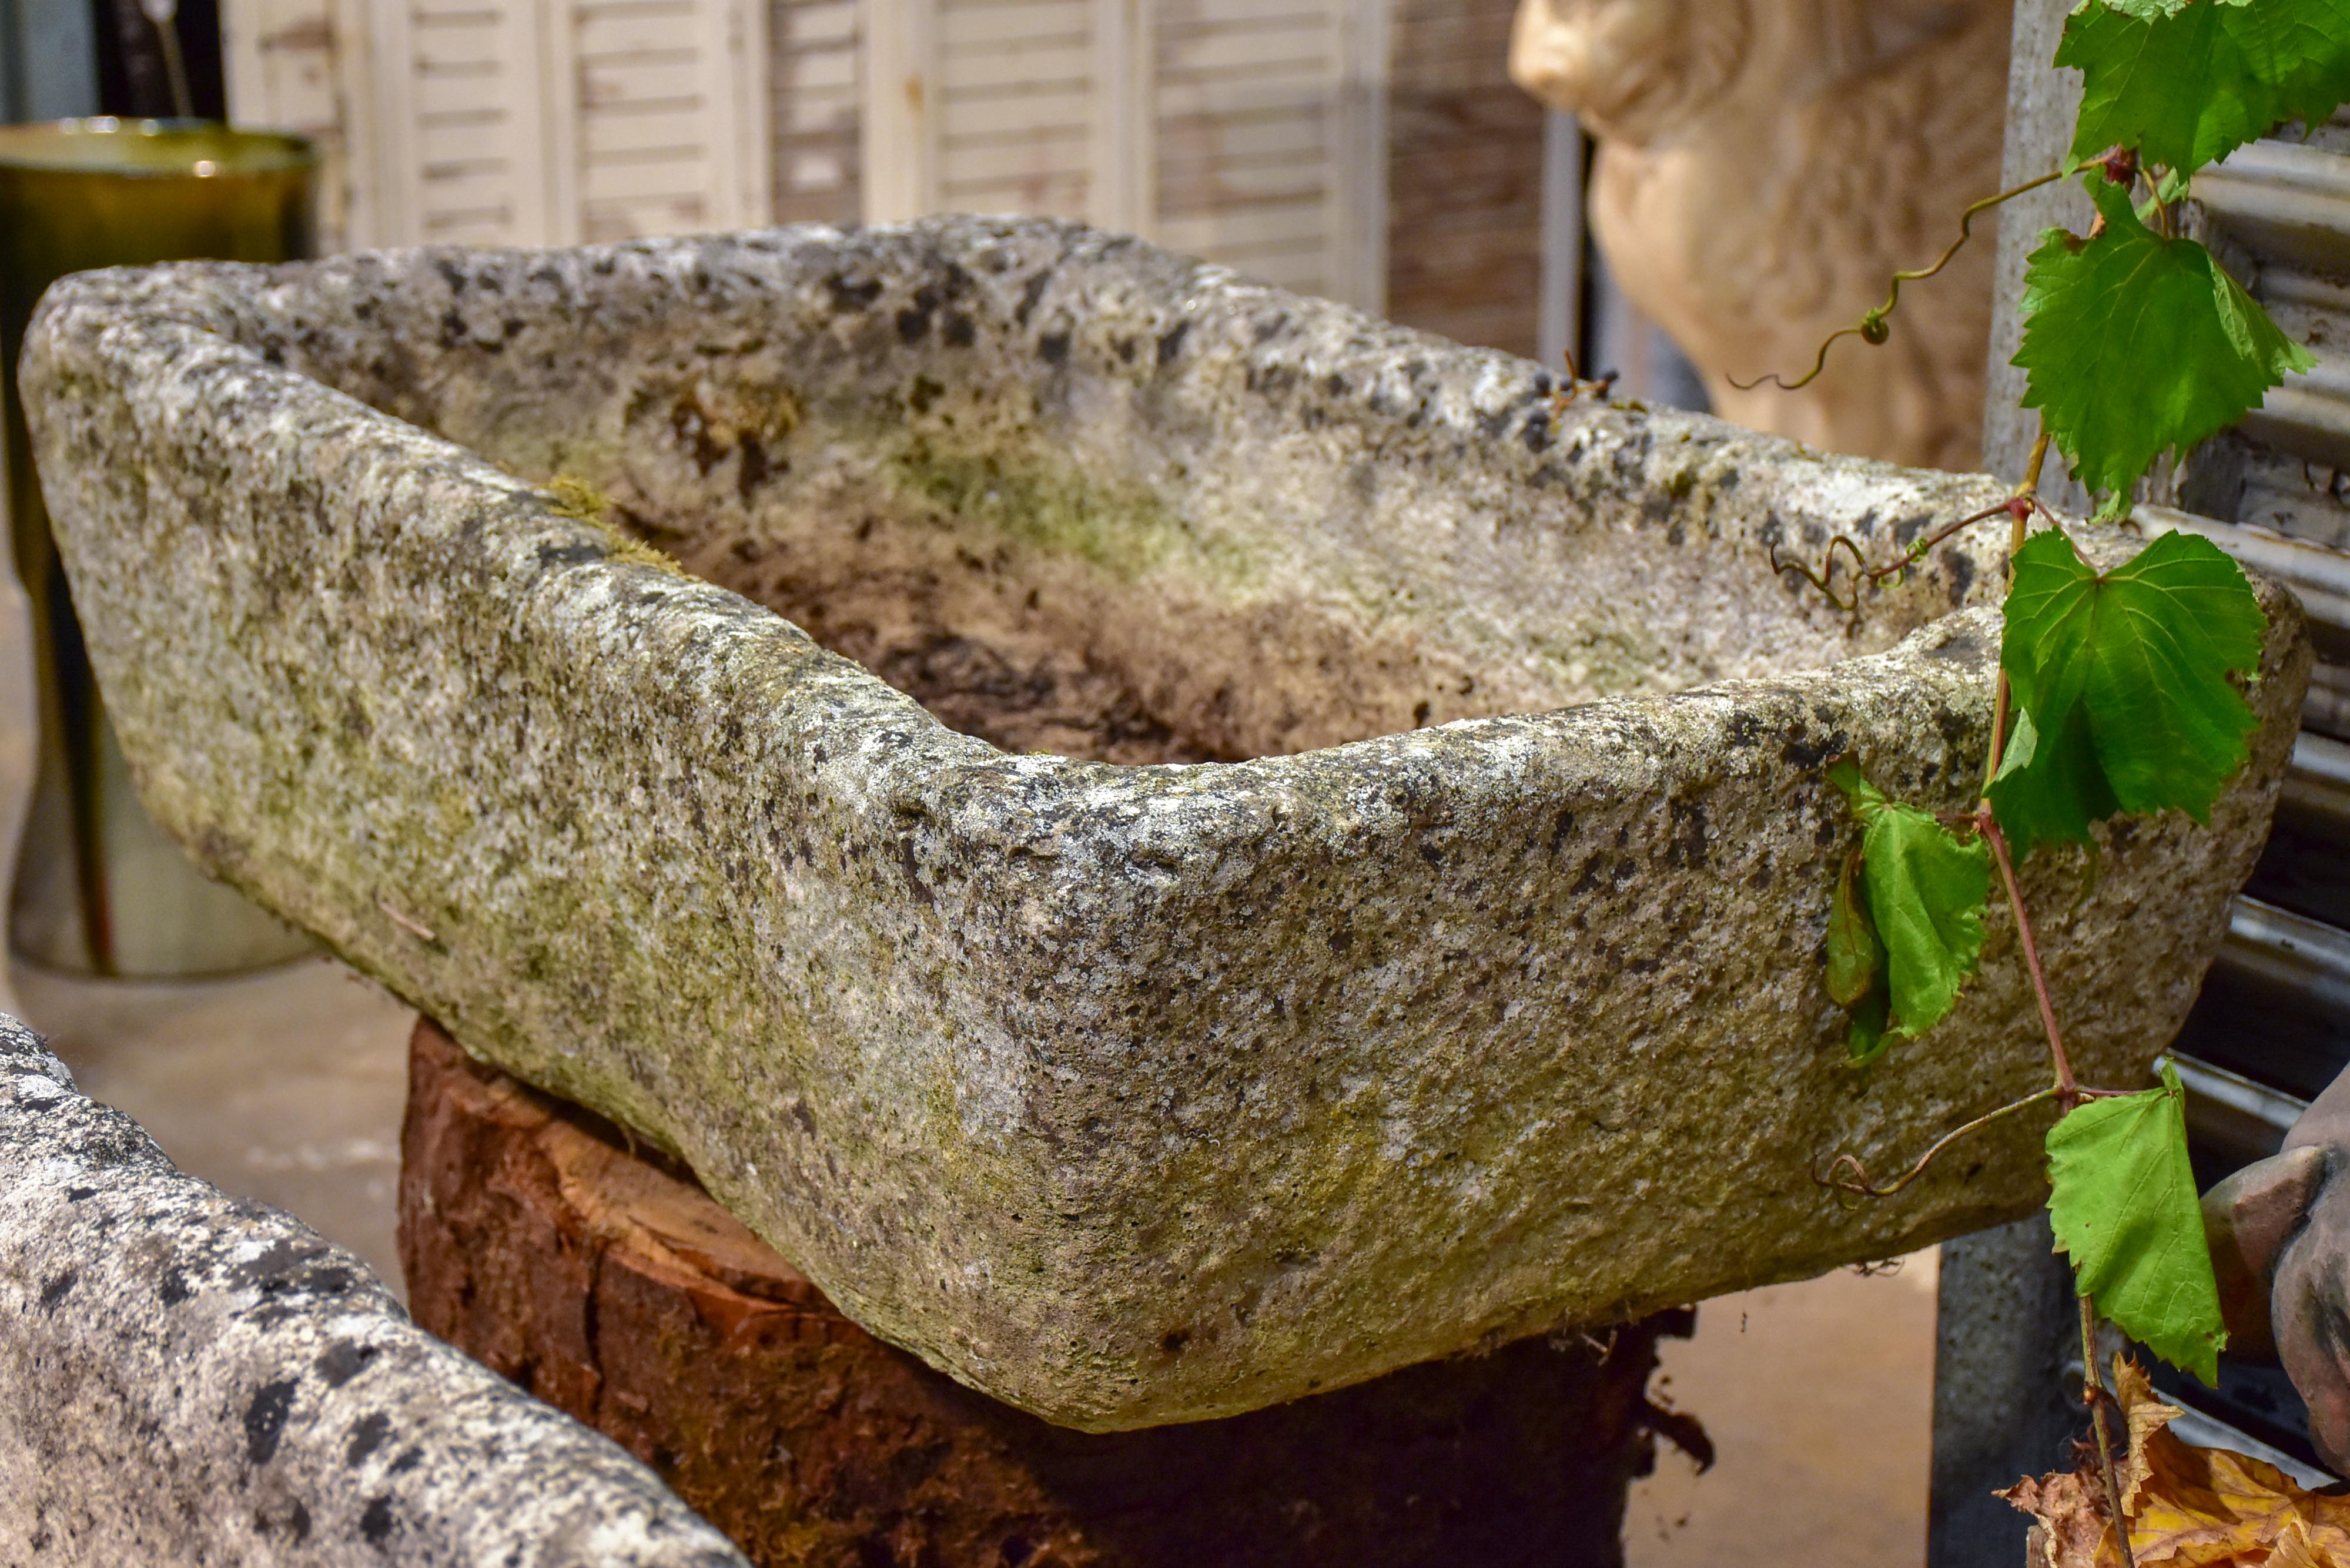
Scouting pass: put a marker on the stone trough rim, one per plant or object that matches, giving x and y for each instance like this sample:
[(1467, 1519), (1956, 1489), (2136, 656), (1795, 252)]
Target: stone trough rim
[(909, 758)]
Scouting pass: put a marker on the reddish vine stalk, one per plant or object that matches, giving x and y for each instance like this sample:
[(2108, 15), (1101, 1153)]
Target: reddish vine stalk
[(2068, 1087)]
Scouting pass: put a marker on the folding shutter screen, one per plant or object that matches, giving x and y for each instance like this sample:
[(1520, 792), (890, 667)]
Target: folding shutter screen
[(665, 131), (520, 122), (1245, 131), (1466, 162), (290, 65), (1270, 155), (817, 82)]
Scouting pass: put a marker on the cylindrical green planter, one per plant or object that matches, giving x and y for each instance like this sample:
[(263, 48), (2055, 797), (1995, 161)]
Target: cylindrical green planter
[(98, 887)]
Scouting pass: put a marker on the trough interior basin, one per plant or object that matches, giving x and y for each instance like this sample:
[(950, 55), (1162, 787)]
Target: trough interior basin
[(1051, 563)]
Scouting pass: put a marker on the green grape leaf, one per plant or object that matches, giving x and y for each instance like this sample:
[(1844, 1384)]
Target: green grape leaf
[(2186, 82), (1926, 889), (1857, 979), (2022, 746), (1864, 1038), (2052, 794), (2123, 1206), (2308, 44), (2134, 343), (2124, 678), (1855, 956)]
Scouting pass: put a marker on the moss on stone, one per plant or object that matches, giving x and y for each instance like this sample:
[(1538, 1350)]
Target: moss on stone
[(582, 501)]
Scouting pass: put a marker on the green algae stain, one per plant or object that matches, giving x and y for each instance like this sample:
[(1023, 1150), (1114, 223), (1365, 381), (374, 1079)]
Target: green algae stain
[(1127, 531), (579, 500)]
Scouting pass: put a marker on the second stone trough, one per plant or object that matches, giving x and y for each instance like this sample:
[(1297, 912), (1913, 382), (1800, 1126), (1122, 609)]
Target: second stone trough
[(1172, 845)]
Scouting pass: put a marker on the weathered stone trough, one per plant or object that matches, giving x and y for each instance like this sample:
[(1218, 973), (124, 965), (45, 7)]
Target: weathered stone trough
[(187, 1378), (1468, 982)]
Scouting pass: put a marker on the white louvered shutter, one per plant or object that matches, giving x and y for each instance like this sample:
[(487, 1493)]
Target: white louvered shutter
[(295, 65), (1244, 131), (658, 122), (516, 122), (818, 80), (461, 123), (1269, 157), (983, 106)]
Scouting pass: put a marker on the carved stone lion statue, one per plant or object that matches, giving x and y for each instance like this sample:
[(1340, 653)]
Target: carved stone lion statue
[(1765, 166)]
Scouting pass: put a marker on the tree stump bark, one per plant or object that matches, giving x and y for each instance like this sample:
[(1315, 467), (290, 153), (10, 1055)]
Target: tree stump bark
[(600, 1278)]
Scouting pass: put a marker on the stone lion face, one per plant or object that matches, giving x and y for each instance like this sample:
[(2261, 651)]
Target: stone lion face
[(1630, 69)]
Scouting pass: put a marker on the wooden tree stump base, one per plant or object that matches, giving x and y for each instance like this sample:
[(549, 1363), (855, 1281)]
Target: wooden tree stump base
[(604, 1282)]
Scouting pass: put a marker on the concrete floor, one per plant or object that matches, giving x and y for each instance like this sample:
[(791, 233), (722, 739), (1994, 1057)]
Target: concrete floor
[(287, 1086), (1819, 1397)]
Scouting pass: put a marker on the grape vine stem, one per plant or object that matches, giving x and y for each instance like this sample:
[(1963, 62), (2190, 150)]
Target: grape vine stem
[(1873, 325), (1846, 1175), (2067, 1086)]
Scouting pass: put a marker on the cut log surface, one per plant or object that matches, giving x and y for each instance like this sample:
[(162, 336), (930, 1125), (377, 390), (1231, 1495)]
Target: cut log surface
[(600, 1278)]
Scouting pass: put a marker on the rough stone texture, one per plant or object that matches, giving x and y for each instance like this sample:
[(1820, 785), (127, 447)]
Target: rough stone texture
[(1125, 1095), (599, 1277), (187, 1378)]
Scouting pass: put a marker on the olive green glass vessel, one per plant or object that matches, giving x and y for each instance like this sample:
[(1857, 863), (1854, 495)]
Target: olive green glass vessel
[(99, 887)]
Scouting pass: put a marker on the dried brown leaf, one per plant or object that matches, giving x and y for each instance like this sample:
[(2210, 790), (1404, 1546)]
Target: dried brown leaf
[(2187, 1507)]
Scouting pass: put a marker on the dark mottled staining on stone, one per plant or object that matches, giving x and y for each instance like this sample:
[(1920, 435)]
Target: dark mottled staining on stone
[(367, 1436), (1960, 645), (1170, 343), (265, 1417), (1956, 730), (1962, 572), (289, 1267), (297, 1521), (174, 1290), (342, 1361), (1805, 752), (913, 324), (1744, 730), (1030, 292), (76, 1194), (755, 467), (1053, 347), (1686, 846), (848, 296), (961, 331), (570, 555), (55, 1291), (376, 1523), (913, 864)]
